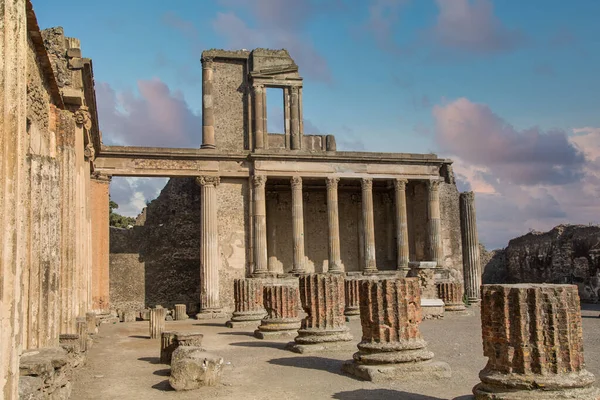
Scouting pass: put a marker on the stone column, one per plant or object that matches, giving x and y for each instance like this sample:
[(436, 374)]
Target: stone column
[(209, 247), (248, 299), (324, 327), (296, 138), (208, 116), (297, 225), (272, 262), (81, 326), (352, 310), (401, 224), (281, 305), (167, 346), (260, 226), (436, 250), (13, 140), (180, 312), (92, 323), (370, 264), (470, 246), (533, 339), (451, 293), (259, 128), (157, 322), (392, 347), (100, 242), (335, 261)]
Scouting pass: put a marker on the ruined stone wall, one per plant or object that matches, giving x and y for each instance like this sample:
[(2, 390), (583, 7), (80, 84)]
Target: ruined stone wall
[(451, 237), (127, 272), (230, 105)]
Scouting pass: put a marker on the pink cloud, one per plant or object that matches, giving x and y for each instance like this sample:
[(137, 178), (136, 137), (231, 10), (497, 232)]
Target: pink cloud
[(157, 117)]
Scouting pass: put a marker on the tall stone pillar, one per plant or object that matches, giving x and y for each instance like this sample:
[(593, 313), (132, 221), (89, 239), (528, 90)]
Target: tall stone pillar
[(533, 339), (370, 264), (259, 122), (99, 198), (281, 305), (209, 247), (296, 137), (401, 224), (392, 347), (157, 322), (260, 226), (324, 327), (13, 140), (297, 225), (208, 116), (436, 250), (335, 261), (248, 299), (470, 246)]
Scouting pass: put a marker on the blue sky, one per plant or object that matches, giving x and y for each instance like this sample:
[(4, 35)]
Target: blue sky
[(508, 88)]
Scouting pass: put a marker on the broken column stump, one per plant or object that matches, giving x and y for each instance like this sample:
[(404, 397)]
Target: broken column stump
[(192, 368), (324, 328), (533, 339), (92, 325), (451, 293), (281, 305), (81, 326), (431, 305), (392, 347), (157, 322), (352, 310), (248, 299), (180, 312), (167, 346)]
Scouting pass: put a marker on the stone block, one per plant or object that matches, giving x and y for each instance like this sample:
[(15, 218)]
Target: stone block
[(129, 316), (193, 368), (180, 312), (192, 339)]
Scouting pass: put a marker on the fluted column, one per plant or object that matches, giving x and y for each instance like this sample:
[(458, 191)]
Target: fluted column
[(335, 262), (281, 304), (259, 128), (436, 251), (248, 299), (451, 293), (351, 296), (533, 339), (324, 327), (13, 139), (260, 226), (297, 225), (208, 116), (470, 246), (180, 312), (392, 347), (157, 322), (296, 137), (401, 224), (370, 263), (209, 245)]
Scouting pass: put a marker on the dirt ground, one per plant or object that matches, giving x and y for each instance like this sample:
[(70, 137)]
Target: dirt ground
[(124, 364)]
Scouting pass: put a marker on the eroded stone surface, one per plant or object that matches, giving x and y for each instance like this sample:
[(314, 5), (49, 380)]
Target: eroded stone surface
[(451, 293), (192, 368), (248, 299), (281, 305)]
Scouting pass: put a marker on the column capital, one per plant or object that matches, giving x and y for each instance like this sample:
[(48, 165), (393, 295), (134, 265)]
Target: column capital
[(99, 177), (296, 182), (332, 182), (204, 180), (400, 183), (468, 196), (258, 87), (433, 184), (83, 118), (259, 180), (367, 183), (207, 62)]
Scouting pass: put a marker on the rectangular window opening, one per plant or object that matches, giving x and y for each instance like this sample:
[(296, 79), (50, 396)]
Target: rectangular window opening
[(275, 114)]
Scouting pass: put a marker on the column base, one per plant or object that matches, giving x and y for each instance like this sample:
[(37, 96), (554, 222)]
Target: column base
[(244, 319), (399, 372), (211, 314), (208, 146), (370, 272), (274, 334), (263, 274), (320, 347), (455, 307), (352, 313), (484, 391), (473, 300)]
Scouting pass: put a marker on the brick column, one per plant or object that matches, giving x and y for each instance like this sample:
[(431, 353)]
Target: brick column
[(297, 225), (370, 264), (335, 261), (401, 224), (532, 337), (324, 328), (259, 122), (248, 299), (13, 140), (436, 251), (260, 226), (209, 247), (352, 310), (281, 304), (451, 293), (99, 198), (208, 118), (470, 246), (392, 347)]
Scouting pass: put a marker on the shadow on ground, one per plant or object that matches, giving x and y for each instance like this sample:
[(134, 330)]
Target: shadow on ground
[(210, 324), (151, 360), (381, 394), (251, 334), (139, 337), (163, 386), (311, 362), (163, 372), (273, 345)]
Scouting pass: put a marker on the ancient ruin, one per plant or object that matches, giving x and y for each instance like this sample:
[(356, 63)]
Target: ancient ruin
[(281, 303)]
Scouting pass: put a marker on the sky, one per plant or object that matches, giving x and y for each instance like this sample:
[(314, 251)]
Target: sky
[(507, 89)]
